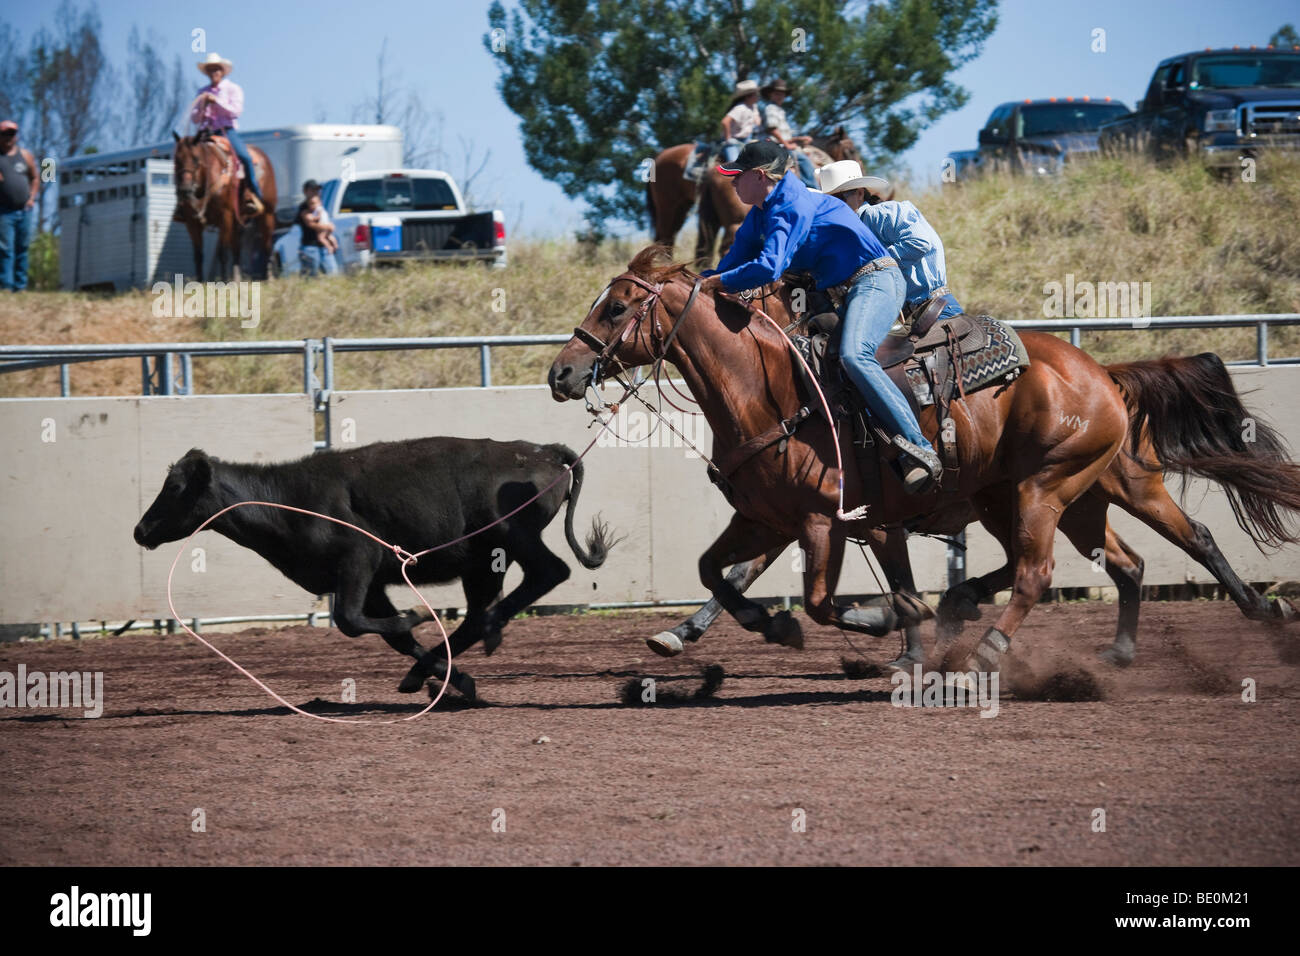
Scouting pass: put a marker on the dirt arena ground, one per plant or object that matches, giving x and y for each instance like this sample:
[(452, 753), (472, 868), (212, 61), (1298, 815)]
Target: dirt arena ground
[(1186, 772)]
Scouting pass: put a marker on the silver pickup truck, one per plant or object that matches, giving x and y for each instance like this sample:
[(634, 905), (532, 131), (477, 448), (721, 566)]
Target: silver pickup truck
[(392, 215)]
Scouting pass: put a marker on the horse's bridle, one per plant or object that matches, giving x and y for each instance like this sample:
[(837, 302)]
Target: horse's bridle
[(605, 350)]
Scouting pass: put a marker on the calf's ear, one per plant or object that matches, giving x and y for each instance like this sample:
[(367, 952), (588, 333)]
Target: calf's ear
[(196, 468)]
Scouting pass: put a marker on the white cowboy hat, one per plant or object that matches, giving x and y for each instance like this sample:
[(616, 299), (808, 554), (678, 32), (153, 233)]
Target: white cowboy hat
[(743, 89), (215, 59), (846, 174)]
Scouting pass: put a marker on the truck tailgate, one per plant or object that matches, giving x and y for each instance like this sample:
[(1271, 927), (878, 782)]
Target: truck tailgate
[(469, 235)]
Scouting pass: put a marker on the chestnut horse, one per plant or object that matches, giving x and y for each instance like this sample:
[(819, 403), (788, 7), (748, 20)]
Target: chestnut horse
[(208, 194), (1026, 457), (670, 196)]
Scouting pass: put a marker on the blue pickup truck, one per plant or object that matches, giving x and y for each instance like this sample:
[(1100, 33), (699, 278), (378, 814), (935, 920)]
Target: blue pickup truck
[(1036, 137)]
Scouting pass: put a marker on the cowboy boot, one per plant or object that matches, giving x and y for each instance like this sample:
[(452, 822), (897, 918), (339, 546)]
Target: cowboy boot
[(925, 474), (252, 205)]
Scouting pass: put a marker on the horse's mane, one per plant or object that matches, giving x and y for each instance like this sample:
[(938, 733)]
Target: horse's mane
[(655, 263)]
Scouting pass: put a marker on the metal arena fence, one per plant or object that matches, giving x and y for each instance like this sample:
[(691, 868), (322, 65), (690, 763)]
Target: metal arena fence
[(167, 369)]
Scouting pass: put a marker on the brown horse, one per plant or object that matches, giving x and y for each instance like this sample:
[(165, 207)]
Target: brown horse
[(1026, 457), (208, 194), (670, 196)]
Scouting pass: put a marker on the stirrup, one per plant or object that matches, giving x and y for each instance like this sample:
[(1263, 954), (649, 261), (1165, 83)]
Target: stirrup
[(919, 480), (252, 205)]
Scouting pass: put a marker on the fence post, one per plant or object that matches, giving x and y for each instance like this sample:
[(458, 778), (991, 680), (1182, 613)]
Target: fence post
[(485, 365), (1261, 342), (957, 560), (187, 373), (65, 384), (166, 374)]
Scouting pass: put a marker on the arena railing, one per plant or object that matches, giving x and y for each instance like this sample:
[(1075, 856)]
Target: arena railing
[(167, 367)]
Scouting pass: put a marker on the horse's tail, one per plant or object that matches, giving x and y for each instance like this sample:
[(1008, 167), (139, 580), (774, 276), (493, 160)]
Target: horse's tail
[(1189, 411), (599, 541)]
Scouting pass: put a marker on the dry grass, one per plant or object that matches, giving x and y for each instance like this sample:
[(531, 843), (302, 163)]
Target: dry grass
[(1206, 247)]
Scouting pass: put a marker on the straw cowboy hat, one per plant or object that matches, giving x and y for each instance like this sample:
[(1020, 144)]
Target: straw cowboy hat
[(743, 89), (215, 59), (847, 174)]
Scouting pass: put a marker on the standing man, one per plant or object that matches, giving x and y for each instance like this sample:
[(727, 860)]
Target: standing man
[(19, 190), (778, 128), (217, 110), (313, 254)]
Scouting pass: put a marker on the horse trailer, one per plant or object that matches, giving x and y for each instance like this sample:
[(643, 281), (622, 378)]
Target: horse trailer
[(115, 209)]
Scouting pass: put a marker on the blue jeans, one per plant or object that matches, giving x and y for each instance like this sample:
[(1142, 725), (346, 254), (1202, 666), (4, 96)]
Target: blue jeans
[(951, 306), (242, 152), (870, 309), (731, 149), (805, 165), (317, 259), (15, 237)]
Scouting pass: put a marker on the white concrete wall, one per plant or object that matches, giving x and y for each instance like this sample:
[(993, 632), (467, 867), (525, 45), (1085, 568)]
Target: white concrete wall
[(67, 506)]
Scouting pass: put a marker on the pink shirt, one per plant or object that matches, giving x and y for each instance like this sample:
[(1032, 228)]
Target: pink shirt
[(222, 113)]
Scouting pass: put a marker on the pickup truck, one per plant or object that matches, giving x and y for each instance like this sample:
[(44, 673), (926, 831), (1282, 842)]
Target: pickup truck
[(1220, 105), (1037, 136), (394, 215)]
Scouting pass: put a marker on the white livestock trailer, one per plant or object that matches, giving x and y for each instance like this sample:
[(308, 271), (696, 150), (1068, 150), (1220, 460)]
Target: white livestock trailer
[(115, 209)]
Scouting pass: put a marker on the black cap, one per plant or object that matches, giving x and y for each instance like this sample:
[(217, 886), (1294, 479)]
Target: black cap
[(762, 152), (310, 184)]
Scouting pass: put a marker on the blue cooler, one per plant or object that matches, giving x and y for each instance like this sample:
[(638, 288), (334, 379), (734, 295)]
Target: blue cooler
[(386, 238)]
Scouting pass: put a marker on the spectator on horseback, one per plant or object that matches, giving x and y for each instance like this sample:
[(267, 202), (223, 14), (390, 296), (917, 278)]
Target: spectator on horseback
[(903, 231), (778, 128), (742, 122), (217, 110), (791, 228)]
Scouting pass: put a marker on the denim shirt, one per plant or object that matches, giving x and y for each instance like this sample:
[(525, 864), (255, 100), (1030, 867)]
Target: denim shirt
[(797, 230), (911, 242)]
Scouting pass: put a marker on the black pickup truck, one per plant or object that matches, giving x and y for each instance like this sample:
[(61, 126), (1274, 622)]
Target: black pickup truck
[(1221, 105), (1037, 136)]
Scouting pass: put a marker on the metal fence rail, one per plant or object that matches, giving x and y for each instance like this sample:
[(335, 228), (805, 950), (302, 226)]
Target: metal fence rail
[(161, 378)]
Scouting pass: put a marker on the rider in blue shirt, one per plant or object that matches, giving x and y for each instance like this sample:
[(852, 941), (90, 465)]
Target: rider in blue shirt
[(793, 228)]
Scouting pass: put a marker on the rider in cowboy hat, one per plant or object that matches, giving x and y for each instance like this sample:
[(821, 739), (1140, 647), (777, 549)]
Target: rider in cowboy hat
[(791, 227), (778, 128), (901, 229), (217, 109), (742, 122)]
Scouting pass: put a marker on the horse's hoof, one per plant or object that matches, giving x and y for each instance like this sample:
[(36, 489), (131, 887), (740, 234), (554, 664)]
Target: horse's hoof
[(665, 644), (1118, 654), (468, 689), (784, 629), (412, 682), (874, 620), (959, 608), (904, 663), (491, 642), (1284, 612)]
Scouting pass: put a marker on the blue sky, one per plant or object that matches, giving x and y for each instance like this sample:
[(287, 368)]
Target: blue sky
[(297, 61)]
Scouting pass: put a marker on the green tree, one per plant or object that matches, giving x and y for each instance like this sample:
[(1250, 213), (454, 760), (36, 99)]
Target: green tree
[(1285, 36), (600, 86)]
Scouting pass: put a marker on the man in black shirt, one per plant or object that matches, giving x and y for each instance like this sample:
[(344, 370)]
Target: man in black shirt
[(19, 188), (313, 254)]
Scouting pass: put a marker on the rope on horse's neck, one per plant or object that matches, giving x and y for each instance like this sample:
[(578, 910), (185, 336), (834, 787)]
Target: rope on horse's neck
[(859, 512)]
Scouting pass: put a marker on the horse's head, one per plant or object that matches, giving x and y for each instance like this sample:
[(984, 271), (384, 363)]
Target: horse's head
[(839, 145), (624, 327), (191, 177)]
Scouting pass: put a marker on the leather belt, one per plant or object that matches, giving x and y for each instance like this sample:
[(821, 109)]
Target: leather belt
[(838, 292)]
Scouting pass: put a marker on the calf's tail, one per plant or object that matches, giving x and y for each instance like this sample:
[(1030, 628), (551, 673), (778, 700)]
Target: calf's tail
[(599, 540)]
